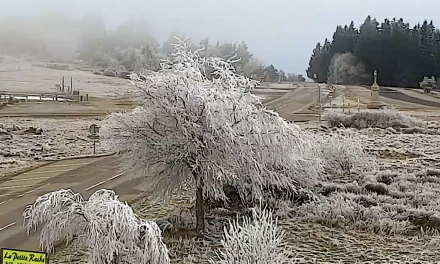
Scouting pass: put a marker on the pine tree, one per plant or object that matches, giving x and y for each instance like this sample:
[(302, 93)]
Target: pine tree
[(402, 55), (325, 63), (314, 62)]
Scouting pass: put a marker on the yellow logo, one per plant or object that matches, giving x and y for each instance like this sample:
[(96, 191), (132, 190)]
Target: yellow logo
[(12, 256)]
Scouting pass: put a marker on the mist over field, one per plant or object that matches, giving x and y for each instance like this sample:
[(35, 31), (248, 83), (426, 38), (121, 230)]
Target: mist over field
[(279, 32)]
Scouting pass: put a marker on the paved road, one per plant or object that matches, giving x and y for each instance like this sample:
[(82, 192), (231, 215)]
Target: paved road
[(81, 175), (397, 95), (294, 102)]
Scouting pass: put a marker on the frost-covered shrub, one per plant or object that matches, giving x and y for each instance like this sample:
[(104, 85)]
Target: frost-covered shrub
[(255, 241), (109, 229), (381, 119), (358, 211), (344, 154), (390, 202)]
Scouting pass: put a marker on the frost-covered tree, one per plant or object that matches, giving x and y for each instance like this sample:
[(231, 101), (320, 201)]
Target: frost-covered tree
[(346, 68), (190, 130), (107, 227), (257, 240), (250, 69), (295, 77)]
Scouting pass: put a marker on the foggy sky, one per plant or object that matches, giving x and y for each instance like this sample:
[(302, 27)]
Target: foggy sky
[(280, 32)]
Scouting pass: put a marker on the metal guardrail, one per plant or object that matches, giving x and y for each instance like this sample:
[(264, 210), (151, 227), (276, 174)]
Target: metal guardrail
[(23, 96)]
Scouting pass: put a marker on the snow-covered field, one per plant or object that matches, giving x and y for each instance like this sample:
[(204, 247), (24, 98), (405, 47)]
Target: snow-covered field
[(377, 200), (21, 148), (39, 79), (360, 216)]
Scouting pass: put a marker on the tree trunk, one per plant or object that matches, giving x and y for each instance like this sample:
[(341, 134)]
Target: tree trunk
[(200, 211)]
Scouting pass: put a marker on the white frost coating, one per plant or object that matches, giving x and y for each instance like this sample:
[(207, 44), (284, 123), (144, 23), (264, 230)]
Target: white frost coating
[(106, 226), (344, 154), (255, 241), (198, 130), (379, 119)]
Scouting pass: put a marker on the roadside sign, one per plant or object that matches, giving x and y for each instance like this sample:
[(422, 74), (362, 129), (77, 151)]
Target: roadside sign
[(94, 129), (93, 136), (15, 256)]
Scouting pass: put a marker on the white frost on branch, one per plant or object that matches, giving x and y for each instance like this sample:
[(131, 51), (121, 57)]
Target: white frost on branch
[(206, 131), (107, 227)]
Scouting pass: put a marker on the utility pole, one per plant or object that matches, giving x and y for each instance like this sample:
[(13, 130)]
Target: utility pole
[(320, 102), (315, 77)]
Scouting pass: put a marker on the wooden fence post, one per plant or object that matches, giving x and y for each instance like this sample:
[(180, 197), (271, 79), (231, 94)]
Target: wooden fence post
[(343, 104)]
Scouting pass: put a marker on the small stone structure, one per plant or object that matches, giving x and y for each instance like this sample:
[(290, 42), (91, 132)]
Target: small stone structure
[(375, 103)]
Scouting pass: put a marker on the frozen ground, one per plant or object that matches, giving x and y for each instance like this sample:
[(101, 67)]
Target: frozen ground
[(60, 138), (23, 77), (65, 109), (349, 222), (361, 217)]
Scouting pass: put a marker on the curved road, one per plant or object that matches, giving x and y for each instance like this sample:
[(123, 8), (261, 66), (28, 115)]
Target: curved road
[(81, 175), (397, 95), (294, 102)]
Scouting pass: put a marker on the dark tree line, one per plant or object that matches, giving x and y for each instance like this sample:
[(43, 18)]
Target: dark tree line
[(403, 55)]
